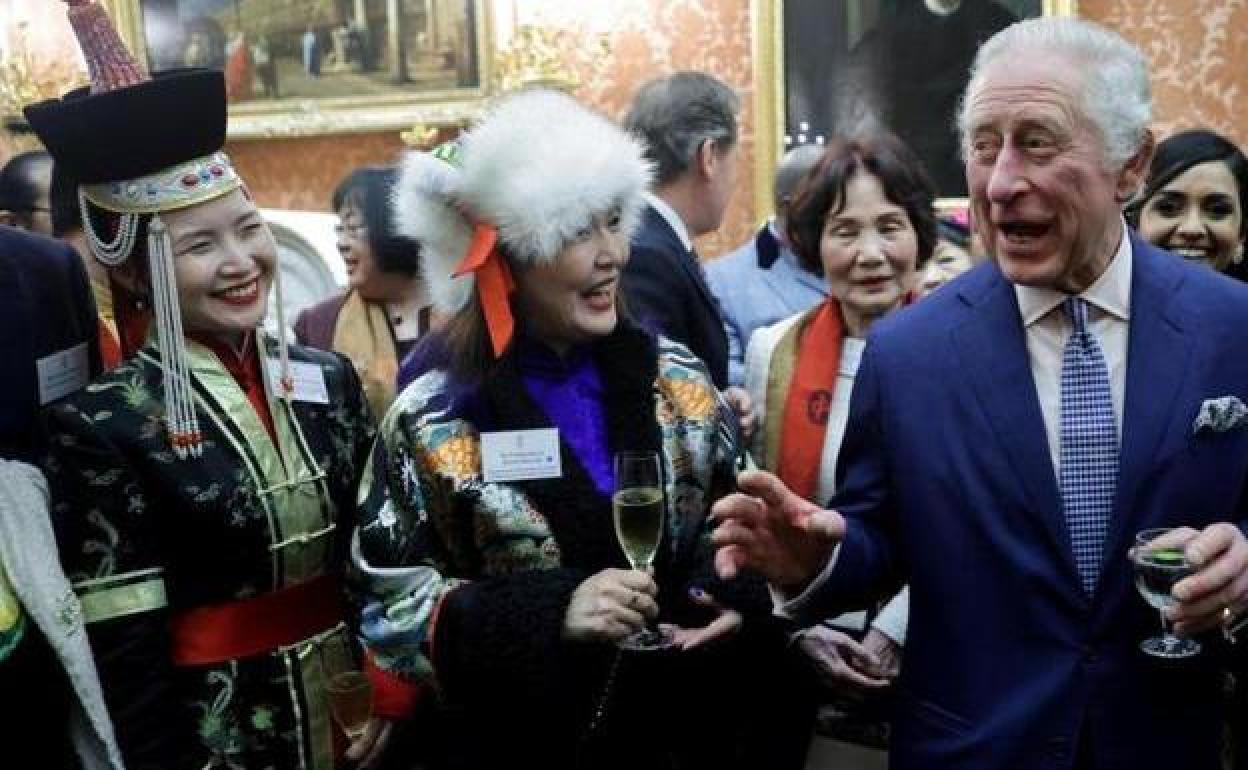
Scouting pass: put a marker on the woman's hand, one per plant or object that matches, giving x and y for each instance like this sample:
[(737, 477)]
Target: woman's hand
[(367, 750), (610, 605), (726, 622), (839, 660)]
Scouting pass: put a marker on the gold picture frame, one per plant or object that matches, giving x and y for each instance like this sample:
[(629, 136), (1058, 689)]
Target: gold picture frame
[(327, 72), (770, 108)]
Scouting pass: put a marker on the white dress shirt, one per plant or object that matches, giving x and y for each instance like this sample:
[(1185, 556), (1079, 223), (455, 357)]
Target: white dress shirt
[(1047, 330), (671, 217)]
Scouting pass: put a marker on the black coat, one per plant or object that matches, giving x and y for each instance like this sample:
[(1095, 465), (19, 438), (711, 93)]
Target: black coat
[(666, 292), (45, 308)]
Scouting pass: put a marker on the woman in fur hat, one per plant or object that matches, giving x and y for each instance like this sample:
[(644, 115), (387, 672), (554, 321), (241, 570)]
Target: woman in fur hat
[(503, 590), (199, 487)]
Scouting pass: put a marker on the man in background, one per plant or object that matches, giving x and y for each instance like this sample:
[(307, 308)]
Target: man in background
[(24, 182), (688, 123), (762, 281)]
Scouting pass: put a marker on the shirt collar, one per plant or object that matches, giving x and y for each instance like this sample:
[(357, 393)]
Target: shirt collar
[(671, 217), (1111, 292)]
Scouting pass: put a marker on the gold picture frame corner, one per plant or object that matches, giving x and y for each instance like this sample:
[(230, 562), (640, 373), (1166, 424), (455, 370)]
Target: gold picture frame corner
[(313, 116)]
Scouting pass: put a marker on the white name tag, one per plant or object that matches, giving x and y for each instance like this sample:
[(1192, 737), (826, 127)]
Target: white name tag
[(62, 373), (309, 381), (520, 455)]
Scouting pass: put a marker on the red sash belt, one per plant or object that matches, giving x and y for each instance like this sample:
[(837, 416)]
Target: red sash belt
[(222, 632)]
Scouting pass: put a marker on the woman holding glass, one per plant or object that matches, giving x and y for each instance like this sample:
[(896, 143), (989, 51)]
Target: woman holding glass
[(863, 217), (487, 531), (198, 489)]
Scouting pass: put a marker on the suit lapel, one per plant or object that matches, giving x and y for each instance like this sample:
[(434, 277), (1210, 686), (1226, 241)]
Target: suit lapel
[(688, 259), (993, 350), (1158, 353)]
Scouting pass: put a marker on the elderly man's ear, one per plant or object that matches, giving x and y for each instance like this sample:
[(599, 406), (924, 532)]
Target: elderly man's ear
[(1136, 169)]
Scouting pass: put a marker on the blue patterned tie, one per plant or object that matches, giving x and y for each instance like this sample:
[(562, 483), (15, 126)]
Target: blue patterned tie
[(1089, 462)]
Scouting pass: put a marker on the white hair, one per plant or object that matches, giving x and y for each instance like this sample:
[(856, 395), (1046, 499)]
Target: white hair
[(1115, 94)]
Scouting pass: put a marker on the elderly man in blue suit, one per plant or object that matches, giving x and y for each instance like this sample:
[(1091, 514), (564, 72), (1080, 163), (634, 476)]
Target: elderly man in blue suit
[(1011, 434), (763, 281)]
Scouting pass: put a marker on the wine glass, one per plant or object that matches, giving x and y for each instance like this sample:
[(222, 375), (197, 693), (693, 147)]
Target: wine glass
[(637, 506), (349, 689), (1157, 569)]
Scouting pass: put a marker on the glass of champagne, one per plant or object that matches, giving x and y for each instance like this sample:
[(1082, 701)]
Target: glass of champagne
[(1157, 569), (350, 692), (637, 506)]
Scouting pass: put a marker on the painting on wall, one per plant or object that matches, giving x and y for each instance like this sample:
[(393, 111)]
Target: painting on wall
[(298, 67), (859, 66)]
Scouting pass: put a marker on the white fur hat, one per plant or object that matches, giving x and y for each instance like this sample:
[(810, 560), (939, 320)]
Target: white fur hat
[(538, 167)]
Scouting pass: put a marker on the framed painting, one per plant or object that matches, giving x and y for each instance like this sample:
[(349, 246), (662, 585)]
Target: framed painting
[(306, 67), (850, 66)]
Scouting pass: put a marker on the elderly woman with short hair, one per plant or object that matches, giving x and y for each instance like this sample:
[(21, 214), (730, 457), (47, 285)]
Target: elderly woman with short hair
[(504, 587)]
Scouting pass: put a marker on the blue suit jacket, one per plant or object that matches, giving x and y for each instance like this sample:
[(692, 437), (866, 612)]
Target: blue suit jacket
[(45, 307), (947, 481), (757, 285), (666, 292)]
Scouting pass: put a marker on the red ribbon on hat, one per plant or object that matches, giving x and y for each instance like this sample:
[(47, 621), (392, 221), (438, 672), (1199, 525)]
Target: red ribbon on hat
[(494, 284)]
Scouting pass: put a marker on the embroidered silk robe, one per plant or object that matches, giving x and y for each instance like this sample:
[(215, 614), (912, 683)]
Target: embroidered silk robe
[(145, 536)]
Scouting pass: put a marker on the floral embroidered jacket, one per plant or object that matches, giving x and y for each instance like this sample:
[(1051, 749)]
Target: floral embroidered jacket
[(469, 580), (146, 536)]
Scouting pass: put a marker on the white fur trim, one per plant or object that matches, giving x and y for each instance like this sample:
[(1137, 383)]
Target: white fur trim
[(539, 167), (423, 212)]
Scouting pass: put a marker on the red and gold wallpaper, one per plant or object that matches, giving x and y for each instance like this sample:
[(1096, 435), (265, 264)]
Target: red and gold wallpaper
[(1198, 48)]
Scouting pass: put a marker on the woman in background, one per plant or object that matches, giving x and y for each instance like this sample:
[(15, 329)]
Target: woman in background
[(385, 309), (1193, 204), (864, 218), (1193, 201)]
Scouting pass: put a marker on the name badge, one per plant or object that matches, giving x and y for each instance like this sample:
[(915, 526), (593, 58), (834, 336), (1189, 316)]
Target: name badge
[(62, 373), (520, 455), (309, 381)]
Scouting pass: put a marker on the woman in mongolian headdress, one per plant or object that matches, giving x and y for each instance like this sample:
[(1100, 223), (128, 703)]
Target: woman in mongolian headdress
[(505, 591), (201, 491)]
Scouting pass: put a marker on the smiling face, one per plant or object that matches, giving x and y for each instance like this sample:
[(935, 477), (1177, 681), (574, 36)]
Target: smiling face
[(1198, 215), (869, 250), (355, 248), (223, 260), (1042, 199), (573, 299)]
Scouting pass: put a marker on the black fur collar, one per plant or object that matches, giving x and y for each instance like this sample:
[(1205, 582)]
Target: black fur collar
[(580, 517)]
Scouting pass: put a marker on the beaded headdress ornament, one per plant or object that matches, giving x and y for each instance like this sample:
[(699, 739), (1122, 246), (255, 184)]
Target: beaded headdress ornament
[(119, 93)]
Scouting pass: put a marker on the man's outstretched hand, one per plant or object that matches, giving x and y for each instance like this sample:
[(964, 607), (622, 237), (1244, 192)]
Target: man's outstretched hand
[(767, 528)]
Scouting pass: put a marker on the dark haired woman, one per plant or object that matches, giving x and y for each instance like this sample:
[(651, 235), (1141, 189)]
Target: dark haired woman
[(202, 491), (863, 217), (504, 589), (384, 310), (1193, 201)]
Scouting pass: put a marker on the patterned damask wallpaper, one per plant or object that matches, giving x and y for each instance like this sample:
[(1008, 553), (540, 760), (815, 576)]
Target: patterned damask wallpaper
[(1199, 55), (1199, 50)]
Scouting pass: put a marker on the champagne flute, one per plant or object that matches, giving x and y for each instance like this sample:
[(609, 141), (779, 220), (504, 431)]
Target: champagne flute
[(349, 689), (1157, 569), (638, 506)]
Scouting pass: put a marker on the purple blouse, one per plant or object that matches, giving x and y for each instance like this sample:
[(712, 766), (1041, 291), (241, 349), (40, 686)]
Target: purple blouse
[(570, 391)]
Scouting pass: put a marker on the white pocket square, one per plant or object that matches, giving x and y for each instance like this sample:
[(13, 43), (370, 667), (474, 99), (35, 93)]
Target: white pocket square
[(1220, 415)]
